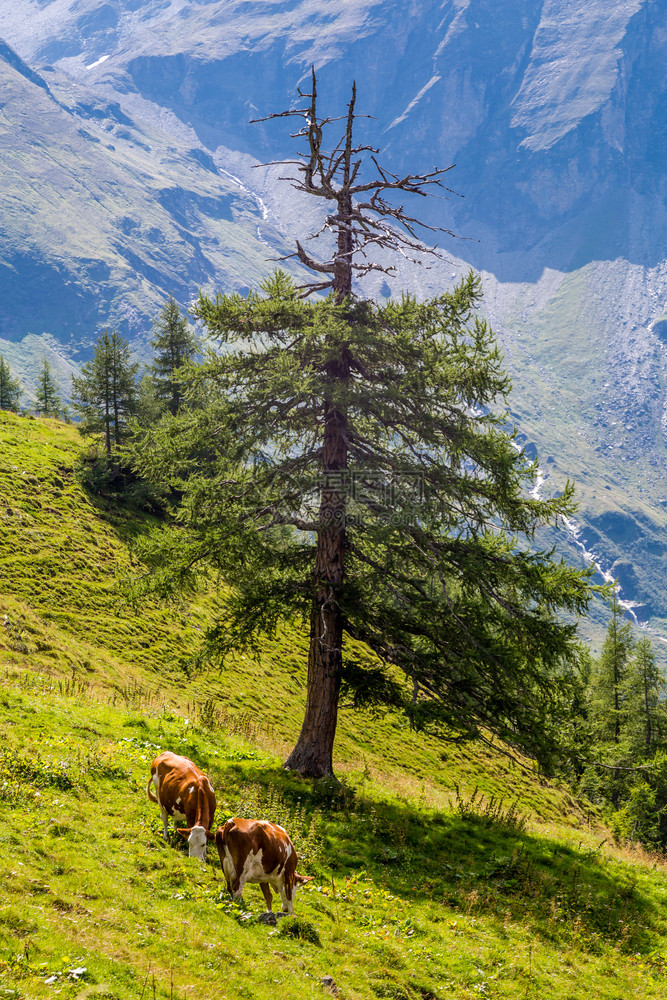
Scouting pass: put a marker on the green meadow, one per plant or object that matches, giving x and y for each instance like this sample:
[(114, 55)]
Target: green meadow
[(440, 870)]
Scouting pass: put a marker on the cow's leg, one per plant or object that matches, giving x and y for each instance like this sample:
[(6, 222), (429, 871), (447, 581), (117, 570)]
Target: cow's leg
[(237, 887), (267, 896), (230, 874), (287, 895), (156, 783)]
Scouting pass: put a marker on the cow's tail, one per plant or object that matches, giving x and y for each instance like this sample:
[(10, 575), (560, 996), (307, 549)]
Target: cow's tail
[(152, 797)]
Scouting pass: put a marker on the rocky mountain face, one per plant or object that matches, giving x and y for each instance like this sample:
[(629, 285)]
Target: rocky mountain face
[(129, 171)]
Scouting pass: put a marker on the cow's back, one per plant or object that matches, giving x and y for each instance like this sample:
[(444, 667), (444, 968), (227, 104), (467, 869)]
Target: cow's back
[(260, 841), (181, 785)]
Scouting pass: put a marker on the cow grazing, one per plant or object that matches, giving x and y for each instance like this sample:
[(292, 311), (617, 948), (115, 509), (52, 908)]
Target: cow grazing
[(253, 850), (184, 792)]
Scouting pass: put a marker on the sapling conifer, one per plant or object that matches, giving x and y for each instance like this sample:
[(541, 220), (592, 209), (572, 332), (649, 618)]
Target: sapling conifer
[(174, 344)]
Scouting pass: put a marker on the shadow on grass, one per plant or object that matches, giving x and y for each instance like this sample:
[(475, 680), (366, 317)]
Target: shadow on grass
[(474, 863), (129, 521), (124, 501)]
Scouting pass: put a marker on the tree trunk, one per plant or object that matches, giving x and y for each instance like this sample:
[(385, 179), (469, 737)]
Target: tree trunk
[(115, 373), (647, 710), (615, 791), (313, 754), (107, 426)]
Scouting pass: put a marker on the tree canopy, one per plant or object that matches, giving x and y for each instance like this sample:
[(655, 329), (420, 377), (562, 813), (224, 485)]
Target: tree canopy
[(432, 498)]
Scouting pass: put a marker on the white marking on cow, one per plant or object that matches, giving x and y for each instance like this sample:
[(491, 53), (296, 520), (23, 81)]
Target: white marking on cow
[(197, 843), (253, 868), (228, 867)]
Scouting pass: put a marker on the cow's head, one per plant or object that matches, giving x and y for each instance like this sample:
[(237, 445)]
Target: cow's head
[(197, 837)]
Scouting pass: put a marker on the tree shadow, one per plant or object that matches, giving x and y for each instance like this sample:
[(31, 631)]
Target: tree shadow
[(472, 863)]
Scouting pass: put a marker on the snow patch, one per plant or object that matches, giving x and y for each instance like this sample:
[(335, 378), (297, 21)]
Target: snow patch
[(97, 62), (592, 559), (415, 101)]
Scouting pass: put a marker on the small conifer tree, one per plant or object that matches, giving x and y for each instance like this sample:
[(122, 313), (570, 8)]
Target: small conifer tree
[(104, 394), (608, 683), (10, 388), (643, 709), (174, 344), (48, 400)]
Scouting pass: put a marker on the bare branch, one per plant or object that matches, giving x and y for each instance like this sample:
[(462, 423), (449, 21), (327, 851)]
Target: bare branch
[(310, 262), (360, 225)]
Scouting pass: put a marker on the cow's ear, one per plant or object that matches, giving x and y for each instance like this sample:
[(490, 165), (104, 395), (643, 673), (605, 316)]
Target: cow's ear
[(209, 835), (184, 831)]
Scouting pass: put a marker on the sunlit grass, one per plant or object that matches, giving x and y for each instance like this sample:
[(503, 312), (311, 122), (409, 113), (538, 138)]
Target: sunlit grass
[(406, 900)]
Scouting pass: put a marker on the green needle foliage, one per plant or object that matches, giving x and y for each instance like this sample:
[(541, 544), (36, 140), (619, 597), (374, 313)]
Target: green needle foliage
[(608, 679), (48, 401), (432, 500), (10, 388), (628, 725), (645, 701), (104, 394), (174, 344)]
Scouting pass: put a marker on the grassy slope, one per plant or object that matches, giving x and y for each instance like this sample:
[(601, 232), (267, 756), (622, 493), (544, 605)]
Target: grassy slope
[(418, 893)]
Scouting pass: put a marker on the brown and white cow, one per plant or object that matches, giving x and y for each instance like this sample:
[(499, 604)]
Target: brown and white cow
[(254, 850), (184, 792)]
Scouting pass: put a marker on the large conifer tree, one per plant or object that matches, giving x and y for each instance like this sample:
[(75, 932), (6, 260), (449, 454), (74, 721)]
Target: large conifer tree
[(360, 476)]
